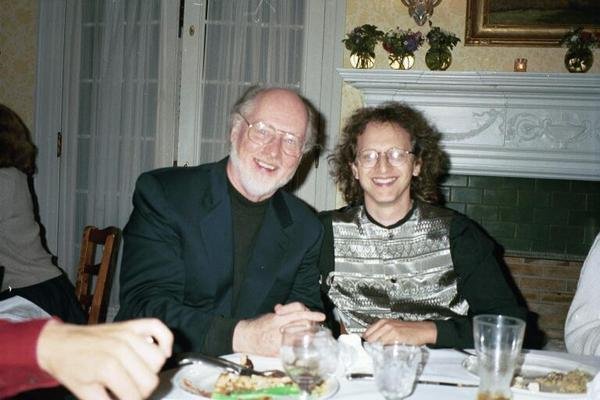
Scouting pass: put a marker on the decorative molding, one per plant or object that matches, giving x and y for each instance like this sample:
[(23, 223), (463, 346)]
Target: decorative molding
[(501, 124)]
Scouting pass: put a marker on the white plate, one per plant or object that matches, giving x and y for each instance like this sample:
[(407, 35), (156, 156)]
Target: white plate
[(535, 366), (203, 377)]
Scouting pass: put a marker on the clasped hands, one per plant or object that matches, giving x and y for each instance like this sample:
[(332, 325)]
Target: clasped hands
[(409, 332), (262, 335)]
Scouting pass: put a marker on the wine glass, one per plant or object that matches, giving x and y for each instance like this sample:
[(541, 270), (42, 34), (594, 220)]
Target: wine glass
[(308, 355)]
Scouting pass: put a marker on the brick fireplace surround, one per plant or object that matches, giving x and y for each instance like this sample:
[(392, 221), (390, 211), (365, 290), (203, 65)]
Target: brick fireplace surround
[(525, 164), (548, 287)]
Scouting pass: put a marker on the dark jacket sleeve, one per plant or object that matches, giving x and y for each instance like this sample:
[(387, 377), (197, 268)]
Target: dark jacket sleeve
[(153, 273), (304, 289), (481, 282), (326, 265)]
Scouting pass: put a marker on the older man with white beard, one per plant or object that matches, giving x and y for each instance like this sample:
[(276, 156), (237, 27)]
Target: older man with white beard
[(218, 252)]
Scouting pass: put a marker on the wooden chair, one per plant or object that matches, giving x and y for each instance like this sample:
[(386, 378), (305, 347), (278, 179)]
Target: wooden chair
[(95, 301)]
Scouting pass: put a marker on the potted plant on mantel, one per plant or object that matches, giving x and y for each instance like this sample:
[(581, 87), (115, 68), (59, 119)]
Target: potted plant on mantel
[(361, 42), (579, 57), (439, 56), (402, 44)]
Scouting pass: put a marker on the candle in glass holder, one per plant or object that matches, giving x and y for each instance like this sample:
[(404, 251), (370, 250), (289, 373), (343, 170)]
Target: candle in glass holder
[(520, 65)]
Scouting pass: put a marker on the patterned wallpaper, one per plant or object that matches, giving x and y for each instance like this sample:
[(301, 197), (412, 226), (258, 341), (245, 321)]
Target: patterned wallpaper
[(451, 15), (18, 48)]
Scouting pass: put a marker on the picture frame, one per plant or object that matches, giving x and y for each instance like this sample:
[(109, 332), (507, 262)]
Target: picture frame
[(486, 26)]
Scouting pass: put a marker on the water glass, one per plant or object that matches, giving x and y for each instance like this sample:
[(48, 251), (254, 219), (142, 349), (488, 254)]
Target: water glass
[(498, 341), (396, 366)]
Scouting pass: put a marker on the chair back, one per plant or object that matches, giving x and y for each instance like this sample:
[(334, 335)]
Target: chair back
[(95, 301)]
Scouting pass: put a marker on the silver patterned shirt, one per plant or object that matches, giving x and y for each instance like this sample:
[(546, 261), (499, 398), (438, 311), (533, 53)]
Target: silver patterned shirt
[(404, 272)]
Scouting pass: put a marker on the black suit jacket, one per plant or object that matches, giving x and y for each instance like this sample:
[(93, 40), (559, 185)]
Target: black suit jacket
[(178, 254)]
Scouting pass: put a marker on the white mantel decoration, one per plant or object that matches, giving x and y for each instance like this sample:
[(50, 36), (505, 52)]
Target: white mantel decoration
[(501, 124)]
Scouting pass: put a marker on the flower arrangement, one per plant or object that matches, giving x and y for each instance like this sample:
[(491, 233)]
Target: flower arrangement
[(439, 56), (439, 38), (400, 42), (362, 40), (578, 39)]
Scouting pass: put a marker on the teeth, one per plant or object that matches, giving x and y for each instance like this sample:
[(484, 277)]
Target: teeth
[(265, 165), (383, 181)]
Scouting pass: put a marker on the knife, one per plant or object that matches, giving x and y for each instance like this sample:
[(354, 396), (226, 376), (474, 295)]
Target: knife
[(367, 376)]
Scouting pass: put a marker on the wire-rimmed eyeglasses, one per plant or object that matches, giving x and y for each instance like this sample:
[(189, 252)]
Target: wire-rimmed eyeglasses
[(396, 157), (262, 133)]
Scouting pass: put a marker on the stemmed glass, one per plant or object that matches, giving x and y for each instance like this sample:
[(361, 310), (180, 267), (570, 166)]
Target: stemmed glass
[(308, 355)]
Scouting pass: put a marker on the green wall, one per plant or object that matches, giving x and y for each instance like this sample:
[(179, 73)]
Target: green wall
[(541, 217)]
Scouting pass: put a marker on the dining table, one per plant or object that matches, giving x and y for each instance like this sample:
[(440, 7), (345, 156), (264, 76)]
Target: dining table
[(444, 376)]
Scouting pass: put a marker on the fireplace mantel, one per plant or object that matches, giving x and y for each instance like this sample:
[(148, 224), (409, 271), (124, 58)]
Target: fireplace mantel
[(501, 124)]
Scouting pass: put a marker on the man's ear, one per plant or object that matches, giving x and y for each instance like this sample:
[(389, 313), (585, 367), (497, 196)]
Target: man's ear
[(236, 128), (417, 168), (354, 170)]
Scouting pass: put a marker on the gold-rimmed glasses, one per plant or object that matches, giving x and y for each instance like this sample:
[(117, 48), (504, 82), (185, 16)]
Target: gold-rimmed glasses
[(396, 157), (263, 133)]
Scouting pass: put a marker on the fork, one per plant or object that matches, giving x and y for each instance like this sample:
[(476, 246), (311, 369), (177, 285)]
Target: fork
[(230, 366)]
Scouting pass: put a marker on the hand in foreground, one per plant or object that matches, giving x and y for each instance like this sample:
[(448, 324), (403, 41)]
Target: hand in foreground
[(120, 357), (409, 332), (262, 335)]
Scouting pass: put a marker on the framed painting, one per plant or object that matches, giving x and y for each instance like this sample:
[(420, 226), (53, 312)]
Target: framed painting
[(527, 22)]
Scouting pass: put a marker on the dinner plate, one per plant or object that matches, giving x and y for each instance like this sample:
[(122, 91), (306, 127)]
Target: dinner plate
[(203, 377), (535, 366)]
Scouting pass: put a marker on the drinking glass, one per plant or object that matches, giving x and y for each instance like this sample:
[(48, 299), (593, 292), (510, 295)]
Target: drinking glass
[(396, 366), (498, 341), (308, 355)]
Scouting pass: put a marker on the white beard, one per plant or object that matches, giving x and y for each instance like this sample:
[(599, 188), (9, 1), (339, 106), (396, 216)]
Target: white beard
[(254, 185)]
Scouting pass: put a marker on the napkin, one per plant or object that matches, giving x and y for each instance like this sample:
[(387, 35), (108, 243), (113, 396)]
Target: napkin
[(18, 309), (352, 355)]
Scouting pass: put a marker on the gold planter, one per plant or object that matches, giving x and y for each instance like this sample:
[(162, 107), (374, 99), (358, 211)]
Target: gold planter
[(362, 61), (579, 60), (438, 58), (401, 61)]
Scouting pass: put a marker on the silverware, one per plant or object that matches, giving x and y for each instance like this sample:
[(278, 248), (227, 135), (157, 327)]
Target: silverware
[(230, 366), (461, 350), (367, 376)]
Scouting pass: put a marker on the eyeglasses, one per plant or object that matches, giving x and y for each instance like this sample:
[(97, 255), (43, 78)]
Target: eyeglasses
[(396, 157), (262, 133)]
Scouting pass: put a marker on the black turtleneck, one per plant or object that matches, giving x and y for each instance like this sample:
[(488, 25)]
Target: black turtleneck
[(247, 218)]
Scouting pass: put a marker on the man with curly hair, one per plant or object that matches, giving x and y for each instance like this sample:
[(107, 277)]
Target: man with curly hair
[(395, 266)]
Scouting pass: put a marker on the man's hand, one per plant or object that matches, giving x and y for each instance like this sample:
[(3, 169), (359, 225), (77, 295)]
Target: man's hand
[(409, 332), (262, 335), (123, 358)]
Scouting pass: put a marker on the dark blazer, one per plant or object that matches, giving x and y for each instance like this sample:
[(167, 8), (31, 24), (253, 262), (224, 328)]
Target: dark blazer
[(178, 254)]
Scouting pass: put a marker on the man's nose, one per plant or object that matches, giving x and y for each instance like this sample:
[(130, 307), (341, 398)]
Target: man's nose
[(382, 163), (273, 148)]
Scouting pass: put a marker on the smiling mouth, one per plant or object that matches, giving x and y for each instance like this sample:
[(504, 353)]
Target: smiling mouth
[(265, 166), (384, 181)]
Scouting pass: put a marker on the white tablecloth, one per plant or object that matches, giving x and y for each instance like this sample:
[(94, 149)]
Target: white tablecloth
[(442, 365)]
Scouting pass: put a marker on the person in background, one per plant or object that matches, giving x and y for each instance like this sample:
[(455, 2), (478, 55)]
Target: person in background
[(28, 268), (394, 265), (218, 252), (582, 327), (94, 362)]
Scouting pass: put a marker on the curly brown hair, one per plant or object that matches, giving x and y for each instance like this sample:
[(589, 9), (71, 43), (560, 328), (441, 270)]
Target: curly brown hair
[(16, 148), (425, 141)]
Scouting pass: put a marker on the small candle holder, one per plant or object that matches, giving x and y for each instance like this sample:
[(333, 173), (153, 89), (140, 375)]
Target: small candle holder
[(520, 65)]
